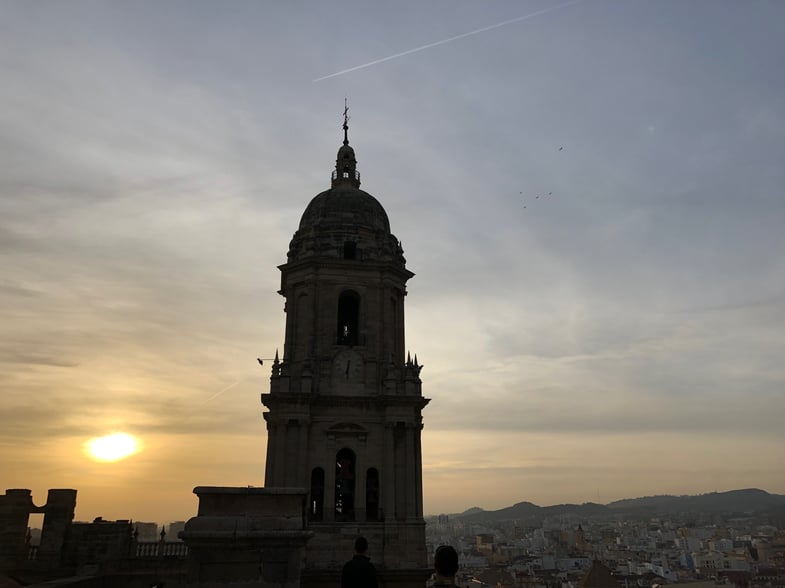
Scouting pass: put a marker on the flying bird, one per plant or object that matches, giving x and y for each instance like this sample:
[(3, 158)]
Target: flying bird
[(560, 148)]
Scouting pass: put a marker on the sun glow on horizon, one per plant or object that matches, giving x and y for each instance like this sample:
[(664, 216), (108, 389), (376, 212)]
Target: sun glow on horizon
[(112, 447)]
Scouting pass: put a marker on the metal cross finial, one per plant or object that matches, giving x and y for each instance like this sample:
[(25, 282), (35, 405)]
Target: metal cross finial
[(345, 121)]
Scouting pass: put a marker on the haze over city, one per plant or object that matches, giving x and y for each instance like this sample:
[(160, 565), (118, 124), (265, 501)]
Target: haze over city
[(590, 194)]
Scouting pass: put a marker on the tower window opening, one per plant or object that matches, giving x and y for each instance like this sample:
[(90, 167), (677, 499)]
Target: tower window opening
[(348, 318), (344, 485), (316, 508), (349, 250)]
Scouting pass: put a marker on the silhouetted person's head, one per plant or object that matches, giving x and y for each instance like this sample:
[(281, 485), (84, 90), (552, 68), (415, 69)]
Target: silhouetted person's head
[(360, 545), (445, 560)]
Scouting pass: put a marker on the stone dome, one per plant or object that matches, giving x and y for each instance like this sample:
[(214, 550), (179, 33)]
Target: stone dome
[(344, 205)]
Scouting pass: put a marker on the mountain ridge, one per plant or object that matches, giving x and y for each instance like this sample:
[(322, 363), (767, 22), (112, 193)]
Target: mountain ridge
[(746, 500)]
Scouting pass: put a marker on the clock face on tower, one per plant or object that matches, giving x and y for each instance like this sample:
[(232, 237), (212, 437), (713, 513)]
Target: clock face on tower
[(347, 368)]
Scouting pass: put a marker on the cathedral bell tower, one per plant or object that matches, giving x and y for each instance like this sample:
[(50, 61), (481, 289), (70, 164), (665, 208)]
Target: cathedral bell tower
[(345, 404)]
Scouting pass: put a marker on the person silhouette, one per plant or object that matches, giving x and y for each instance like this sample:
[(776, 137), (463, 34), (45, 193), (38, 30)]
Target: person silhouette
[(445, 562), (359, 572)]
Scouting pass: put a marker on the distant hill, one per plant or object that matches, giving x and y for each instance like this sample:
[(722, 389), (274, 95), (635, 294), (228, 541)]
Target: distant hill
[(751, 500), (747, 500), (532, 512), (472, 510)]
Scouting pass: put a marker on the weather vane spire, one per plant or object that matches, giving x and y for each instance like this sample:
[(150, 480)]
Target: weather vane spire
[(345, 121)]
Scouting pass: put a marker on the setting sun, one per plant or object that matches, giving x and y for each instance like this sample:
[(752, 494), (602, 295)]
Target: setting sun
[(112, 447)]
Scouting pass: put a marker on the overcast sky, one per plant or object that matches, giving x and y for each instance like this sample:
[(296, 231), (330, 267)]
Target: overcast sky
[(619, 335)]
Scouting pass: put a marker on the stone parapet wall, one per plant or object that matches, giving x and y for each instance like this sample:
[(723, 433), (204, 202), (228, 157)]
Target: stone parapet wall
[(246, 537)]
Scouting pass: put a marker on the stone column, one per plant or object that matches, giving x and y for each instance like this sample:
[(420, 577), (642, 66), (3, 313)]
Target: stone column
[(291, 447), (411, 474), (269, 466), (59, 514), (15, 508), (387, 490), (280, 455), (360, 492), (401, 468), (329, 488), (303, 474), (418, 468)]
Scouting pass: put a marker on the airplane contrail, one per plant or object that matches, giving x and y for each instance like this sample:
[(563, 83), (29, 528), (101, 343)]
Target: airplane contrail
[(217, 394), (443, 41)]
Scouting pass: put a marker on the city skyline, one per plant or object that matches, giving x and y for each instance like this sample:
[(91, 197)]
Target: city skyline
[(589, 194)]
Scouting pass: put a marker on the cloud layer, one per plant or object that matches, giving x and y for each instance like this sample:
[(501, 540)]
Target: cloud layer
[(591, 200)]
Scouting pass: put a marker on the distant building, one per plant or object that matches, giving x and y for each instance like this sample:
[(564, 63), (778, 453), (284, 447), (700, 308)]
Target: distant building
[(100, 545), (173, 530), (146, 531), (599, 576), (484, 544)]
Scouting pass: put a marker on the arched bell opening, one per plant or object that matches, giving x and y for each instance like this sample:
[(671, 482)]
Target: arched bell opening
[(344, 485), (348, 318), (316, 507)]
